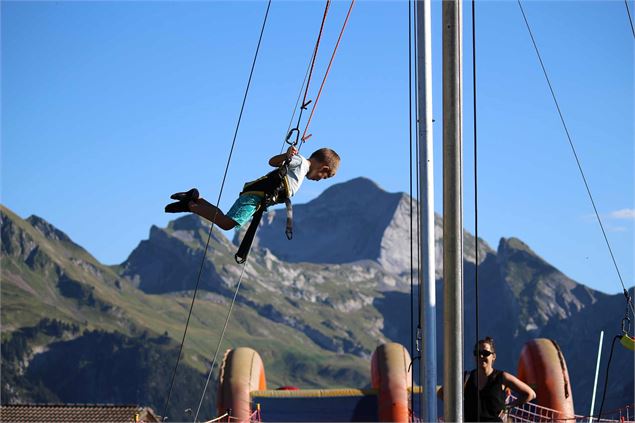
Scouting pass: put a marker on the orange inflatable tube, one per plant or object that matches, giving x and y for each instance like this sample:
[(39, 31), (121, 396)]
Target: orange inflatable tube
[(542, 366), (390, 374), (241, 372)]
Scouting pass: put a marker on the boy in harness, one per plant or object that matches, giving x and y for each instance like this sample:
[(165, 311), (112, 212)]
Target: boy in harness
[(276, 187)]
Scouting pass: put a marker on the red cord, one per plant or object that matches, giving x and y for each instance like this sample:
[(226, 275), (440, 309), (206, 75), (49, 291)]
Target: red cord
[(315, 51), (317, 98)]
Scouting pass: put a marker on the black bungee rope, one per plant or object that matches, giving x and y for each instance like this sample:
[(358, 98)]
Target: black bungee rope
[(198, 278)]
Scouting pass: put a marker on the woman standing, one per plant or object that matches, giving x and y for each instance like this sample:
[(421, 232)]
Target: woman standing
[(485, 402)]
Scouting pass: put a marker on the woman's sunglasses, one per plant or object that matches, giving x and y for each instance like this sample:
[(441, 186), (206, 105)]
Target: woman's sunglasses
[(483, 353)]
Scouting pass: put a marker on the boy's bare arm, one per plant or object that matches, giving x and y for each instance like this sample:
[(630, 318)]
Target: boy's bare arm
[(277, 161)]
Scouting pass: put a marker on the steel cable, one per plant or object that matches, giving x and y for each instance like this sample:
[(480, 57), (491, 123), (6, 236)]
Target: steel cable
[(630, 20), (575, 154), (198, 278), (476, 312)]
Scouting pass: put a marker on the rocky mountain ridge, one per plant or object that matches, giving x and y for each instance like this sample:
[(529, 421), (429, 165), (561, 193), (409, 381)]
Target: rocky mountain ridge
[(336, 312), (352, 221)]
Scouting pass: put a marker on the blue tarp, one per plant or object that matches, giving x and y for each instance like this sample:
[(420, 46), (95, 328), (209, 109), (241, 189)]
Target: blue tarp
[(358, 408)]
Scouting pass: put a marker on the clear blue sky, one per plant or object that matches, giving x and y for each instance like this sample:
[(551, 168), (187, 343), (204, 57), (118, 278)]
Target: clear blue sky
[(108, 107)]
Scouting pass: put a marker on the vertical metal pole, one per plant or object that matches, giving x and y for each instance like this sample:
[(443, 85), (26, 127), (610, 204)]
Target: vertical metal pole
[(428, 368), (595, 381), (452, 213)]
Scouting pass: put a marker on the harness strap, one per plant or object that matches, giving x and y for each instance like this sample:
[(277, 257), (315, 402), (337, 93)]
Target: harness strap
[(245, 245), (274, 190), (289, 230)]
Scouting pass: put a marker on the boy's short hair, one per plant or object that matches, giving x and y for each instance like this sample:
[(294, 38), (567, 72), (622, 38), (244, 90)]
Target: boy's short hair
[(327, 156)]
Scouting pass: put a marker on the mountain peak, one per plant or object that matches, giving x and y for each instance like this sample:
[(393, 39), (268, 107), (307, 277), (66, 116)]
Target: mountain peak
[(189, 222), (510, 248), (348, 222), (359, 187), (515, 244), (48, 230)]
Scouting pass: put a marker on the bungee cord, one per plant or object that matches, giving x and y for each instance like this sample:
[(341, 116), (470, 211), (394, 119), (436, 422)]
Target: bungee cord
[(315, 52), (326, 74), (297, 103), (222, 335), (299, 140), (575, 154), (211, 229), (630, 20), (410, 186), (415, 339), (606, 376), (474, 128), (410, 124), (629, 303), (305, 103), (305, 85), (419, 333)]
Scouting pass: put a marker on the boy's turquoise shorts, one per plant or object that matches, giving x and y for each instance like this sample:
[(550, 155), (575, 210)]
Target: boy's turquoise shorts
[(244, 207)]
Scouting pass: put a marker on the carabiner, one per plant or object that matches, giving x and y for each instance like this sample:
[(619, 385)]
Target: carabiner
[(290, 134), (626, 324)]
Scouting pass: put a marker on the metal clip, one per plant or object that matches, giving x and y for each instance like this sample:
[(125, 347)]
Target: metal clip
[(626, 325), (297, 137)]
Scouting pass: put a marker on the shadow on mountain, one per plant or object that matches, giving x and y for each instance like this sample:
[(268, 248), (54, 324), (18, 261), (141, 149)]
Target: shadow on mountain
[(100, 367), (164, 264)]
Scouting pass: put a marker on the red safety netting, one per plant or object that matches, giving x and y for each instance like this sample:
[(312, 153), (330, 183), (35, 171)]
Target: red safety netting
[(530, 412)]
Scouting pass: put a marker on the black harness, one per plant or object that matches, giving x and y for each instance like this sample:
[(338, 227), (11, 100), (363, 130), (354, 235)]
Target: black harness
[(273, 189)]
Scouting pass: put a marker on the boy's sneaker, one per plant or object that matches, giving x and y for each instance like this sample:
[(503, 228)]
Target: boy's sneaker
[(178, 207), (191, 195)]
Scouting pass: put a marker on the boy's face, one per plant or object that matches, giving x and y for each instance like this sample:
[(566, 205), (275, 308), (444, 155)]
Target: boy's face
[(319, 171)]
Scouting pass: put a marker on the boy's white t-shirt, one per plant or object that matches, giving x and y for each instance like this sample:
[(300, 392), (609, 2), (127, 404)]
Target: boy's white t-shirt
[(297, 170)]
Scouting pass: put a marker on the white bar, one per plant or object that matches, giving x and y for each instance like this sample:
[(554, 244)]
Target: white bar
[(597, 371), (428, 368)]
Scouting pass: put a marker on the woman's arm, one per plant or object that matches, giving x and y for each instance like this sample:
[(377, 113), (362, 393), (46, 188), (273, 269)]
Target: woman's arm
[(277, 161), (524, 391)]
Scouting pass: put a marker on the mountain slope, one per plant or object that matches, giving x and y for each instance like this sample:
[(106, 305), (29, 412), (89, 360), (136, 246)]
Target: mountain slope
[(314, 322), (51, 278)]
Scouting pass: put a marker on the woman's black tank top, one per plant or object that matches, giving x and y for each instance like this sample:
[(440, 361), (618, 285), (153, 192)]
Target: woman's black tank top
[(492, 398)]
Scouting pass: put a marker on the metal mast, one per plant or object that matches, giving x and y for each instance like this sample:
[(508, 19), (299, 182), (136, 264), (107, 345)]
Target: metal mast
[(427, 319), (452, 211)]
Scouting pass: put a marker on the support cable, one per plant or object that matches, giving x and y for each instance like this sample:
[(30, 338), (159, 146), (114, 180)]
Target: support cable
[(211, 370), (630, 20), (419, 275), (315, 51), (478, 397), (326, 74), (305, 103), (198, 278), (575, 154), (606, 377), (418, 210), (297, 103), (412, 347)]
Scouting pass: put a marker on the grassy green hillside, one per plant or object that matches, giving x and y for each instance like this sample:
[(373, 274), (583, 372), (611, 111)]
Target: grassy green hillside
[(44, 274), (315, 325)]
